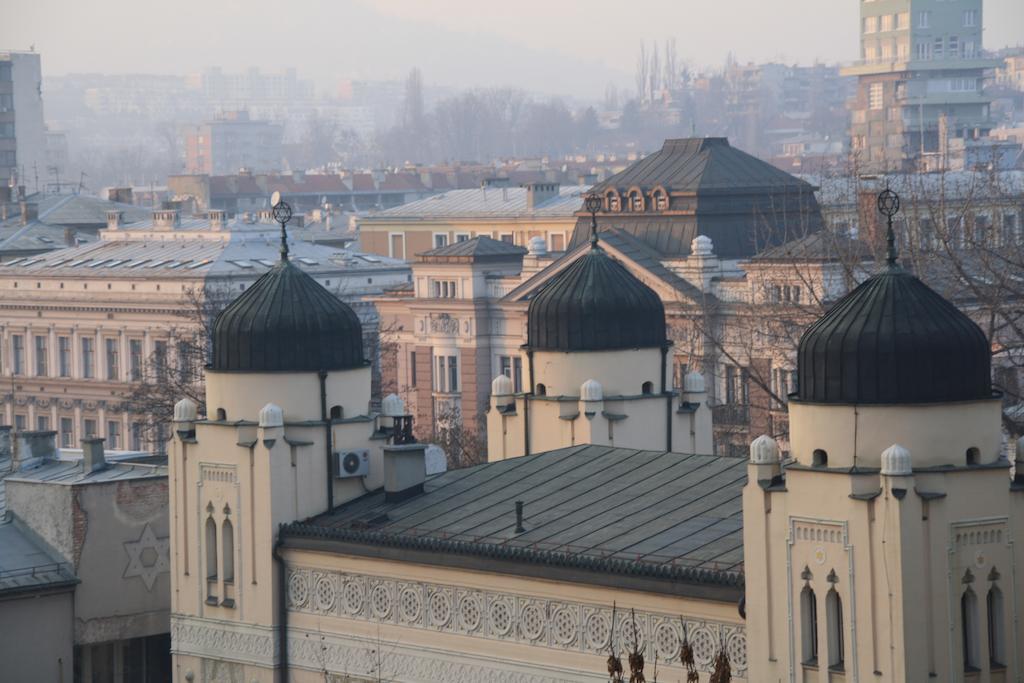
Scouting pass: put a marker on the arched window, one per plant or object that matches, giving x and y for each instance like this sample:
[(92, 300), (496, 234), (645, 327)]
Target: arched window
[(819, 458), (973, 456), (809, 625), (211, 549), (636, 200), (969, 627), (996, 636), (222, 414), (660, 200), (647, 388), (541, 390), (612, 198), (336, 412), (228, 547), (834, 609)]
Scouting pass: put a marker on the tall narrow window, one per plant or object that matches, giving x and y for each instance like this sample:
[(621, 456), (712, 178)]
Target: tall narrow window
[(67, 432), (996, 635), (64, 356), (113, 434), (88, 353), (135, 359), (160, 359), (412, 368), (969, 626), (113, 359), (228, 544), (453, 374), (809, 625), (211, 549), (42, 355), (834, 608), (17, 354)]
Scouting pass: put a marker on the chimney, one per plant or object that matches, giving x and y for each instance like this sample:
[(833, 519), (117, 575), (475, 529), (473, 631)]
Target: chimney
[(93, 459), (5, 194), (405, 471), (538, 193), (69, 238), (114, 219), (166, 219), (31, 449), (218, 219), (29, 212)]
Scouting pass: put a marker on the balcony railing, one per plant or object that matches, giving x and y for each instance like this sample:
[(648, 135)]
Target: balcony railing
[(731, 413)]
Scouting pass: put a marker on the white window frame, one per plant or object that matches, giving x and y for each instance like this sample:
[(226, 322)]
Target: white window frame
[(440, 237), (391, 243)]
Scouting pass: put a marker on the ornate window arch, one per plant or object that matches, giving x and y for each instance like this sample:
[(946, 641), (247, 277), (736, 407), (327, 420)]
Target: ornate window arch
[(659, 199), (836, 641), (636, 200), (969, 629), (227, 545), (809, 624), (996, 627), (612, 200), (211, 548)]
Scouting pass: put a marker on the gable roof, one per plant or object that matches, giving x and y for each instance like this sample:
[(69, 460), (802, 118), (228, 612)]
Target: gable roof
[(598, 510), (699, 164)]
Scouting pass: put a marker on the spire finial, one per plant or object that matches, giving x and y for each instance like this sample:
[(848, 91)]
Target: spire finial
[(593, 203), (282, 214), (889, 206)]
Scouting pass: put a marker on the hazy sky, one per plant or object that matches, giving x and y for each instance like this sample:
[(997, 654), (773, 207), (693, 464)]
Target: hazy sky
[(570, 47)]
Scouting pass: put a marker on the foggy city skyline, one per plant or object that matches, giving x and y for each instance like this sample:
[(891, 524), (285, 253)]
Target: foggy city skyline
[(564, 49)]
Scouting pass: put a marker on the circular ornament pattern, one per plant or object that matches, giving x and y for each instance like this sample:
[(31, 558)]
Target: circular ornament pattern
[(410, 605), (703, 643), (598, 629), (298, 591), (501, 617), (352, 597), (564, 625), (666, 638), (325, 593), (470, 612), (380, 601), (736, 648), (531, 621), (440, 609)]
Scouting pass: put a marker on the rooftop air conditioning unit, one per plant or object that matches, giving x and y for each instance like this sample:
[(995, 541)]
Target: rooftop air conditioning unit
[(354, 463)]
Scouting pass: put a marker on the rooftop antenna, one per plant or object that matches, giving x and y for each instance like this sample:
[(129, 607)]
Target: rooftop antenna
[(593, 204), (282, 214), (889, 206)]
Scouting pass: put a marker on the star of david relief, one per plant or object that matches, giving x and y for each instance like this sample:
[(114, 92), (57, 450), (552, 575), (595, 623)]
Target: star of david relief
[(148, 557)]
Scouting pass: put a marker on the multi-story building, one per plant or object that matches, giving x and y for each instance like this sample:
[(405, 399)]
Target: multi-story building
[(82, 325), (508, 214), (920, 80), (22, 131), (231, 143)]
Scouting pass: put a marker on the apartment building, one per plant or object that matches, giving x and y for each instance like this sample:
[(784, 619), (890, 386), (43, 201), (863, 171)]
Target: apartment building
[(920, 80), (22, 131), (233, 142)]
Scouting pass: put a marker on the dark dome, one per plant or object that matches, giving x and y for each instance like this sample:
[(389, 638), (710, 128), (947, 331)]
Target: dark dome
[(893, 340), (595, 304), (286, 321)]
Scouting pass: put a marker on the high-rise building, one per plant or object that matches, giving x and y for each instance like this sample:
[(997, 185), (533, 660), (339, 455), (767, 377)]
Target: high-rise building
[(22, 131), (921, 77), (233, 142)]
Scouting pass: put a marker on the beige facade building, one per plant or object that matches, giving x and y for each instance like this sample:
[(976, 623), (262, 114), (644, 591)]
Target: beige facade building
[(82, 325), (508, 214)]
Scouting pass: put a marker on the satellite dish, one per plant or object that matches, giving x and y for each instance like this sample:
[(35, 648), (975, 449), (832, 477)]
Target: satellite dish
[(275, 199)]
